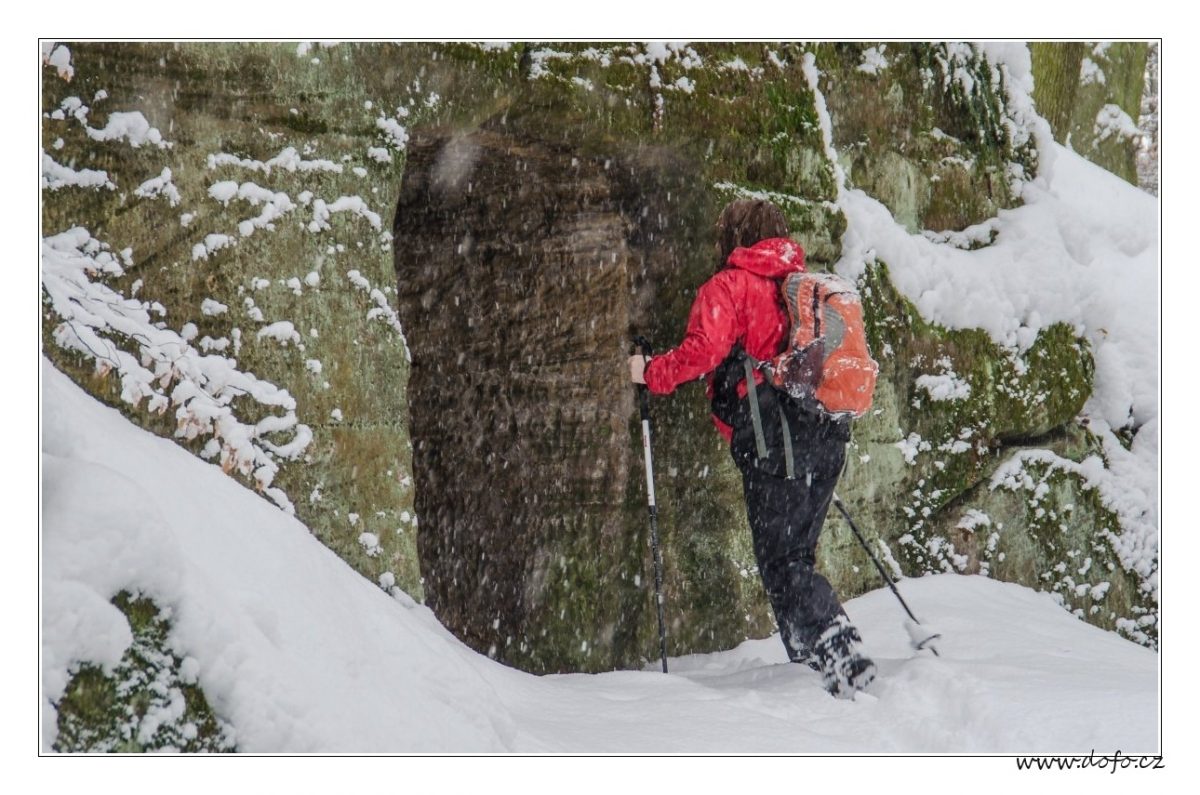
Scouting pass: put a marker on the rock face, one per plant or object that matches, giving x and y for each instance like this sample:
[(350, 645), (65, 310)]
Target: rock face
[(1091, 93), (517, 260), (925, 134), (255, 132), (508, 253), (552, 200)]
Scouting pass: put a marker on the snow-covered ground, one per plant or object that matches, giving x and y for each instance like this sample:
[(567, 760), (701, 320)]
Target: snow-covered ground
[(300, 653)]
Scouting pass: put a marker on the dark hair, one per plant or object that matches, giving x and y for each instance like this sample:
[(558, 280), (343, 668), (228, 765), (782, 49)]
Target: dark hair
[(745, 222)]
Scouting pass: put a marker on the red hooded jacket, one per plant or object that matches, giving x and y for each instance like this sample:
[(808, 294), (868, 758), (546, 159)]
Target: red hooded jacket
[(740, 303)]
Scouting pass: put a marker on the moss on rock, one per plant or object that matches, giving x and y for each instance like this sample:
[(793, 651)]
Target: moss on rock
[(253, 102), (947, 404), (149, 701), (1042, 522), (927, 134), (1074, 83)]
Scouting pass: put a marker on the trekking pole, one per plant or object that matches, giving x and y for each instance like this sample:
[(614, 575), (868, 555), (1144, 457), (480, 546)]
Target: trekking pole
[(920, 640), (643, 394)]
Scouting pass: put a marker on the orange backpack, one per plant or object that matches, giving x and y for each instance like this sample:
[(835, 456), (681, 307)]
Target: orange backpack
[(826, 357)]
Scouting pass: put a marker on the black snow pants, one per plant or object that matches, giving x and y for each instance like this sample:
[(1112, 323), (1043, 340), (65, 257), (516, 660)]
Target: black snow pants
[(786, 517), (790, 457)]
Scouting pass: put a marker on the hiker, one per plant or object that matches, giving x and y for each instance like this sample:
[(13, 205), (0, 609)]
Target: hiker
[(790, 457)]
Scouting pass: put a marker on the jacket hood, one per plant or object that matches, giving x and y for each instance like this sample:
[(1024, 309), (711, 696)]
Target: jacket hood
[(774, 258)]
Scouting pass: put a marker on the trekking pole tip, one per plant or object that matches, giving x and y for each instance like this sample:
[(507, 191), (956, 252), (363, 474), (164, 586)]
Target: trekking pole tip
[(922, 636)]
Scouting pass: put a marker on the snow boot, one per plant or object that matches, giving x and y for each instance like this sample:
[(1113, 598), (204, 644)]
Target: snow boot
[(806, 657), (844, 669)]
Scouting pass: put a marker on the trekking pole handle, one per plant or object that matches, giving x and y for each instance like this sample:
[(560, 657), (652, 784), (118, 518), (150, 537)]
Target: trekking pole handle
[(643, 346), (644, 404)]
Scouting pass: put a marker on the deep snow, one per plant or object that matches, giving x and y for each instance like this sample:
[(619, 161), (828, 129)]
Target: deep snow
[(300, 653)]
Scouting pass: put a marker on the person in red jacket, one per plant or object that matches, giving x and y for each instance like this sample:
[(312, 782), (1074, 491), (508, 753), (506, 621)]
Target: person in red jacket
[(737, 320)]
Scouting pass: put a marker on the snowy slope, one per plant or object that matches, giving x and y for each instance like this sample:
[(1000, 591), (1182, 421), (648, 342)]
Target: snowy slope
[(300, 653)]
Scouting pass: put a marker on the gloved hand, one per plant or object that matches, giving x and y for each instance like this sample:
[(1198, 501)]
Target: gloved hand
[(637, 368)]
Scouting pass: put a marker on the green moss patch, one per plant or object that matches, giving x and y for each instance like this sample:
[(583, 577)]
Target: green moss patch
[(150, 701)]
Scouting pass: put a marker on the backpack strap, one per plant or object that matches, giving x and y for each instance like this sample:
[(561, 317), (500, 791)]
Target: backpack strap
[(760, 438), (816, 310), (789, 458), (739, 365)]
